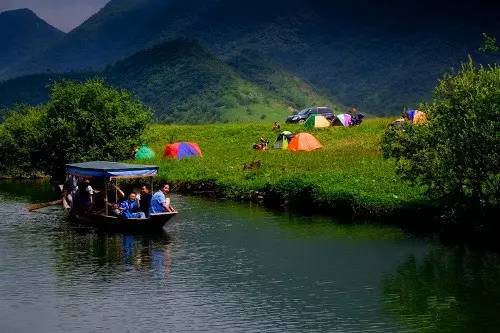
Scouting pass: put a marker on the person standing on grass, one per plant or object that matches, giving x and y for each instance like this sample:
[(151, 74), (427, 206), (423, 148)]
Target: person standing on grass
[(159, 202)]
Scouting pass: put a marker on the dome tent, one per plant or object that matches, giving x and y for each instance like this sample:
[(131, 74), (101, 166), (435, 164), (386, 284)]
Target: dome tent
[(317, 121), (144, 153), (304, 142), (181, 150), (343, 119), (282, 140)]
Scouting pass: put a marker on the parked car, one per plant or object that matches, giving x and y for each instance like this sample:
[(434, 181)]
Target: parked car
[(301, 116)]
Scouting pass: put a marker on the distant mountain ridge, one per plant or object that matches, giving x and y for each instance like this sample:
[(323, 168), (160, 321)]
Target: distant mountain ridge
[(23, 34), (378, 55)]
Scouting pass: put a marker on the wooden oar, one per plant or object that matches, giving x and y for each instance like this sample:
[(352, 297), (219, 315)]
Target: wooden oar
[(44, 204)]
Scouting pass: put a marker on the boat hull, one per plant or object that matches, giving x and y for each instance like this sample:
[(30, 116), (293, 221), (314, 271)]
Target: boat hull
[(154, 222)]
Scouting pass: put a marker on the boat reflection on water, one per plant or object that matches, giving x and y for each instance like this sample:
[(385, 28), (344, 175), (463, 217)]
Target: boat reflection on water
[(109, 254), (146, 254)]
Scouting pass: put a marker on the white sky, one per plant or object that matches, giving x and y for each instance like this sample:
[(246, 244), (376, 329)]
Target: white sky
[(62, 14)]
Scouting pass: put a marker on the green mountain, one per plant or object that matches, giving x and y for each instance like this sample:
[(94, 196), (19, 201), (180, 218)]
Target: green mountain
[(183, 82), (22, 35), (378, 55)]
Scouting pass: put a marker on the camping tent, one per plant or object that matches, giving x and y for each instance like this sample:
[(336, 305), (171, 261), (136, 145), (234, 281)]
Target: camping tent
[(304, 141), (317, 121), (344, 119), (182, 150), (282, 140), (419, 117), (144, 153), (416, 117)]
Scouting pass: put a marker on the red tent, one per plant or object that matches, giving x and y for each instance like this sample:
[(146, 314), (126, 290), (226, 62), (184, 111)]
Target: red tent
[(180, 150)]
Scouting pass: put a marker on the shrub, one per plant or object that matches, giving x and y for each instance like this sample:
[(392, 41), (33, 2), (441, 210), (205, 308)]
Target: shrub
[(20, 138), (456, 154)]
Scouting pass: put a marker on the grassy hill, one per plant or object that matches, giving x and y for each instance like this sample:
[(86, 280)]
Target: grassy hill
[(349, 173), (182, 82), (23, 34), (379, 55)]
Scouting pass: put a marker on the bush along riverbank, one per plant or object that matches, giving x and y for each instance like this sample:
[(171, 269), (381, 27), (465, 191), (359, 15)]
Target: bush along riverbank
[(347, 177)]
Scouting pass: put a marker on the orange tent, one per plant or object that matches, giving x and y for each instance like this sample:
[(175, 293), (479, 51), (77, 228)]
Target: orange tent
[(304, 141)]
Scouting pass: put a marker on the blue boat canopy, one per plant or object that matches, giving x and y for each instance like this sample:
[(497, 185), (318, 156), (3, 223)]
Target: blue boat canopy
[(111, 169)]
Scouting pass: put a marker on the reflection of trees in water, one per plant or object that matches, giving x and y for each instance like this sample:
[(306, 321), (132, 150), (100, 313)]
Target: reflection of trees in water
[(106, 254), (30, 190), (450, 290)]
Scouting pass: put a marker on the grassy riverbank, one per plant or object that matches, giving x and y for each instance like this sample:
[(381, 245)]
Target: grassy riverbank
[(348, 176)]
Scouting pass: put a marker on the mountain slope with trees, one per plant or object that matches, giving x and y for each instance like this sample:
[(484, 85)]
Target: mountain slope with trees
[(183, 82), (379, 55)]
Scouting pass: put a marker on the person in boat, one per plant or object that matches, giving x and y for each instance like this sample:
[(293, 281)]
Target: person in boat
[(145, 199), (85, 195), (129, 208), (115, 194), (159, 202)]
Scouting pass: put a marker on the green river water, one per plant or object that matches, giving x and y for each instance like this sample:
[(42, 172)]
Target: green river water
[(227, 267)]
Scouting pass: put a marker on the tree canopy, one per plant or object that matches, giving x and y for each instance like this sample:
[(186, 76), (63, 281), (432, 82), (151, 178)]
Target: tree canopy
[(81, 122), (456, 154)]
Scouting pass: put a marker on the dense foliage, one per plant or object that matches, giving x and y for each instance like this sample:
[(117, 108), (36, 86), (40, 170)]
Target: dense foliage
[(20, 137), (81, 122), (456, 155)]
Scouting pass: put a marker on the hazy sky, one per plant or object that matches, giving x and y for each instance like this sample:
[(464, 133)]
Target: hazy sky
[(63, 14)]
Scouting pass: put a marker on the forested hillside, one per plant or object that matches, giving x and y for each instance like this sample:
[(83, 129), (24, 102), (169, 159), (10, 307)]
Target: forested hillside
[(182, 82), (378, 55)]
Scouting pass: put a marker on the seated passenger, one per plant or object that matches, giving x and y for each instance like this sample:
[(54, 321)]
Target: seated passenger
[(159, 202), (145, 199), (130, 208)]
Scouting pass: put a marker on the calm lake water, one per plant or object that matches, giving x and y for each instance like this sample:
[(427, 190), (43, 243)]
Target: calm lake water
[(225, 267)]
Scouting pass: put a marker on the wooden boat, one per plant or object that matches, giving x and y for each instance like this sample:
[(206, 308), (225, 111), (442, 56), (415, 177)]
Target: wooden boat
[(114, 223), (109, 172)]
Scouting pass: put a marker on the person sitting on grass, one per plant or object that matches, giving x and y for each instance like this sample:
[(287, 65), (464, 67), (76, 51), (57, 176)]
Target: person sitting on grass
[(130, 208), (262, 144), (276, 126), (159, 202)]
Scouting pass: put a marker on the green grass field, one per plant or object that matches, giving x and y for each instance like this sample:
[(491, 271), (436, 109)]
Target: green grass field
[(349, 169)]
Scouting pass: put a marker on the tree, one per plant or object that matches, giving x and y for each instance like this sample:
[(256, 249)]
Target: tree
[(20, 139), (90, 121), (489, 44), (456, 154), (80, 122)]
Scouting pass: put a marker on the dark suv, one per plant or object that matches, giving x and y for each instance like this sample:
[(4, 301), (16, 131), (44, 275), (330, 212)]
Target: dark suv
[(301, 116)]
